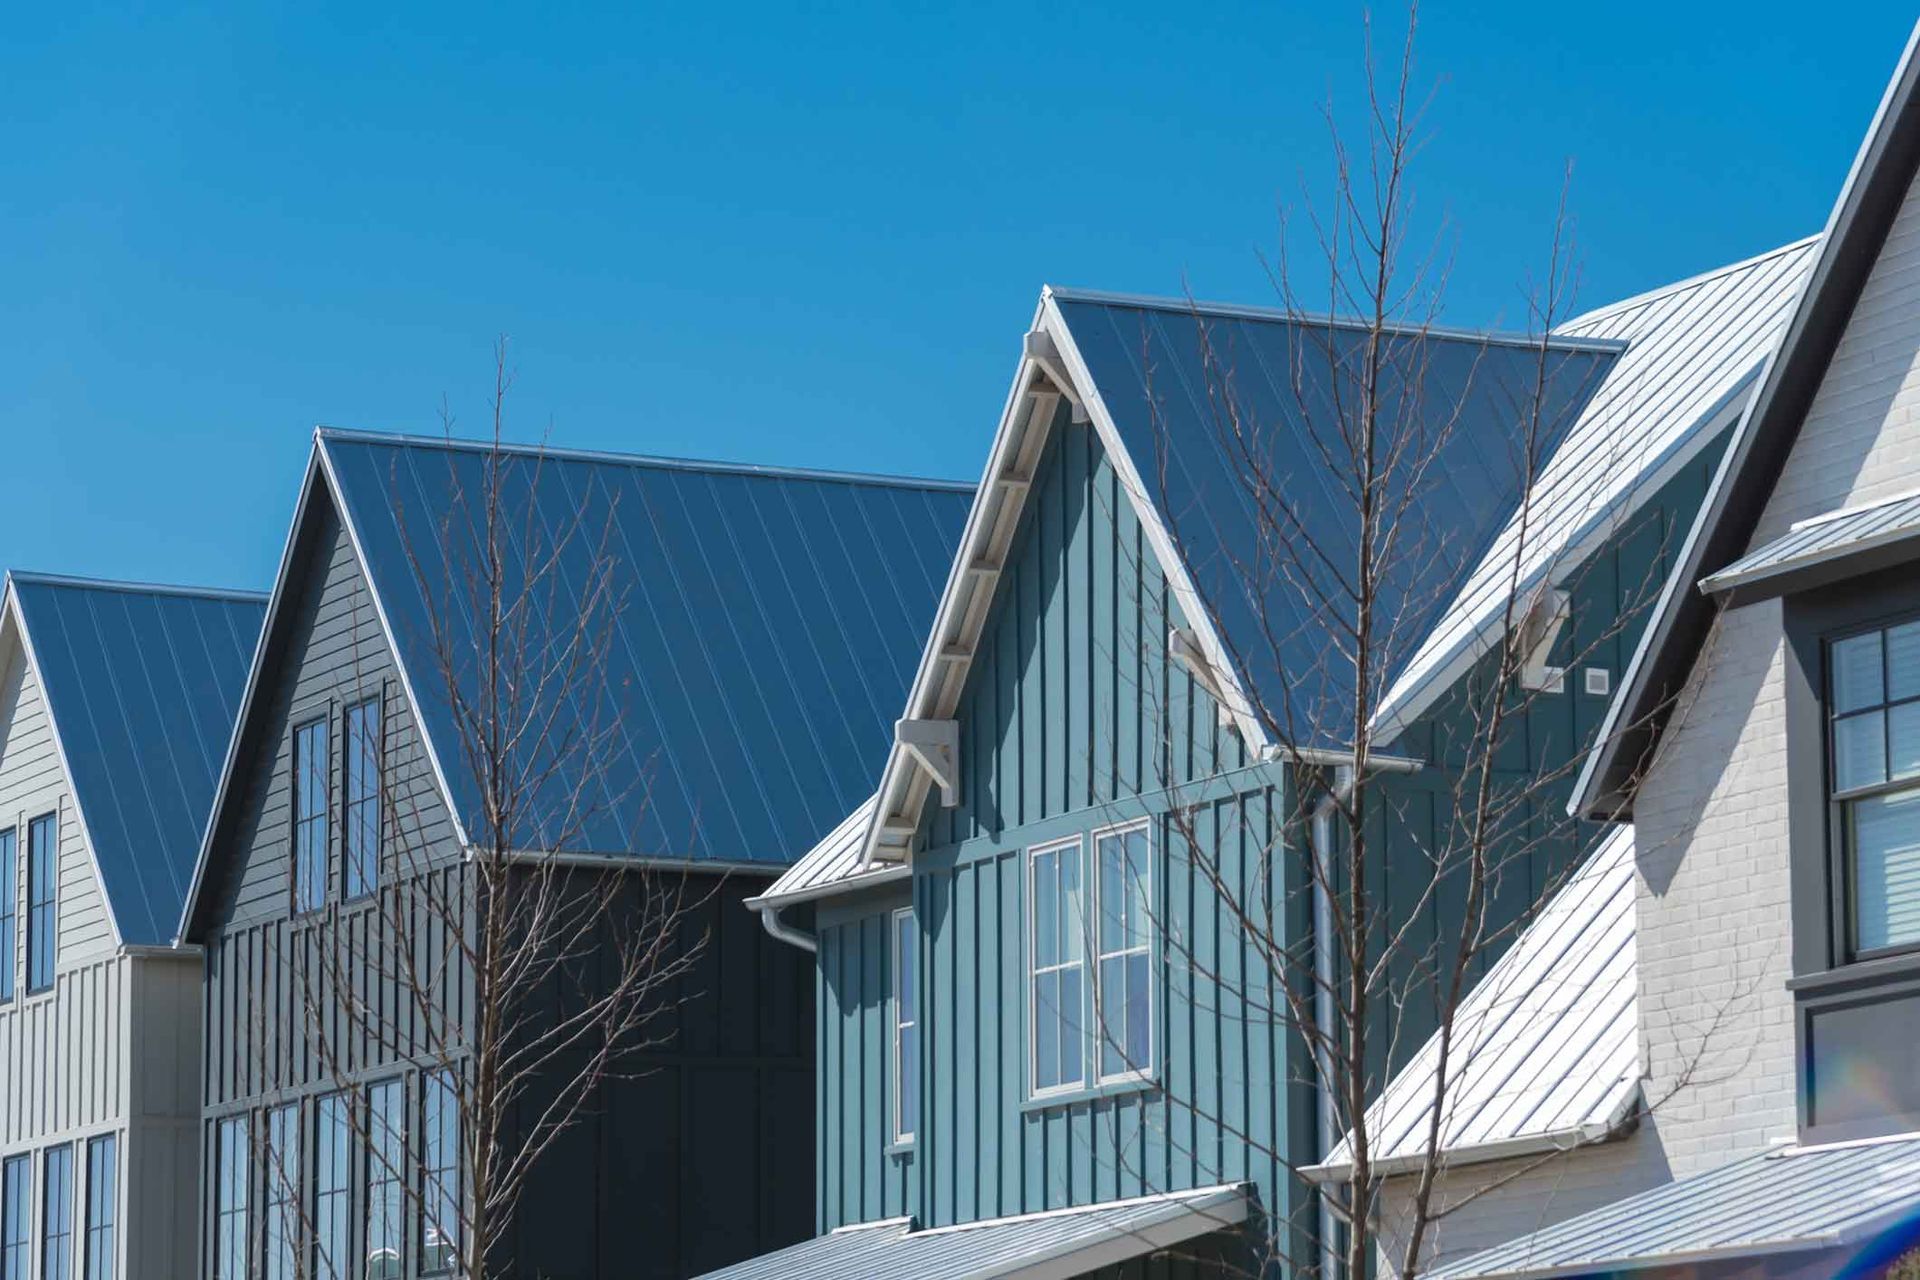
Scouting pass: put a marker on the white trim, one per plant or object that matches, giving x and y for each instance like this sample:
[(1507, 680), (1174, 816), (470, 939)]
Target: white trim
[(895, 949), (1035, 1092), (1137, 1073), (884, 873)]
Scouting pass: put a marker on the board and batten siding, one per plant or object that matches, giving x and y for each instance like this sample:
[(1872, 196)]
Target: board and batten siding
[(1073, 717)]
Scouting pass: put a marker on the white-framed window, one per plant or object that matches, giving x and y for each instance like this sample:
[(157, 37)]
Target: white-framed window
[(1056, 950), (906, 1028), (1123, 950)]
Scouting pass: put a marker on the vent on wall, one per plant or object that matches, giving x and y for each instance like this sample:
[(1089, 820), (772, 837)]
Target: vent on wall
[(1599, 681)]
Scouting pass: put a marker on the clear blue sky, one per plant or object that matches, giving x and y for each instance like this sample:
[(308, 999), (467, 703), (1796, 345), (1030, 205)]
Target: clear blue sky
[(735, 232)]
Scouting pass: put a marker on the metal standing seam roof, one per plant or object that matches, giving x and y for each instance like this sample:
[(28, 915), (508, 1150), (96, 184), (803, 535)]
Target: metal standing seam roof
[(1694, 350), (763, 634), (1792, 1200), (1053, 1245), (142, 685), (834, 865), (1545, 1048), (1810, 543), (1160, 370)]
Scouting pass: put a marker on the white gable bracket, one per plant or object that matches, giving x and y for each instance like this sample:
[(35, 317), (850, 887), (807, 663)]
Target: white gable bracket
[(1186, 650), (1040, 348), (1545, 619), (935, 747)]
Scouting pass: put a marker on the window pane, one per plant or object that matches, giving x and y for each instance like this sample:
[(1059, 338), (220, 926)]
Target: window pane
[(230, 1200), (909, 991), (9, 920), (1113, 1015), (42, 880), (280, 1175), (1856, 673), (1139, 1043), (16, 1224), (1903, 732), (1860, 750), (1046, 908), (103, 1196), (330, 1165), (1903, 661), (1113, 895), (386, 1166), (1046, 1030), (1886, 862), (1072, 1001), (909, 1081), (440, 1179), (1139, 878), (362, 828), (56, 1215), (1072, 912)]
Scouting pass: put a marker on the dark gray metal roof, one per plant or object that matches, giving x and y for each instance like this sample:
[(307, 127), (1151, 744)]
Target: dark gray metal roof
[(142, 684), (1889, 528), (1040, 1246), (765, 629), (1787, 1201), (1167, 374)]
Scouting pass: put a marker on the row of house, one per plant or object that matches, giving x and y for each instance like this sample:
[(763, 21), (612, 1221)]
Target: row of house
[(1001, 827)]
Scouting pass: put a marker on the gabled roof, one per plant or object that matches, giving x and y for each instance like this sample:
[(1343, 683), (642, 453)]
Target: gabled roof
[(142, 684), (759, 637), (1056, 1244), (1694, 349), (1545, 1052), (1796, 1200), (1152, 376), (1878, 185)]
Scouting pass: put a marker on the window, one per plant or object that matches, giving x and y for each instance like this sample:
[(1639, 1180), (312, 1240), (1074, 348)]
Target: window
[(906, 1029), (440, 1172), (56, 1215), (1873, 701), (103, 1202), (386, 1169), (42, 928), (310, 816), (230, 1200), (281, 1201), (1056, 992), (332, 1131), (16, 1217), (360, 828), (1124, 990), (9, 910)]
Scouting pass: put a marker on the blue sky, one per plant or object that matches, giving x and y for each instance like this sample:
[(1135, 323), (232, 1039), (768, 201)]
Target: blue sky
[(763, 234)]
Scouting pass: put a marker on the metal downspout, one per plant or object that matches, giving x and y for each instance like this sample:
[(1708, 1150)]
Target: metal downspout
[(1323, 1016), (770, 920)]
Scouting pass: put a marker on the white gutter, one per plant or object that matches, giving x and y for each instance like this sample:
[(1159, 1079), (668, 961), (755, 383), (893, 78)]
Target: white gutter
[(770, 921)]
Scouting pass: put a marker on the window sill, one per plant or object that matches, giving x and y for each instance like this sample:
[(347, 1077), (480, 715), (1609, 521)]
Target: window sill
[(1860, 976), (901, 1149), (1119, 1087)]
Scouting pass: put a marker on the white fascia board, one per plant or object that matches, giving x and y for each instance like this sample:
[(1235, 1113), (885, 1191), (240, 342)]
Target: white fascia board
[(15, 618), (882, 873), (1159, 537)]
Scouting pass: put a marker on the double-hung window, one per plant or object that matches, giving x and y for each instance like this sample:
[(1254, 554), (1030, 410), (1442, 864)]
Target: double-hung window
[(332, 1141), (103, 1205), (386, 1172), (1873, 706), (310, 816), (56, 1214), (16, 1217), (1123, 992), (230, 1186), (439, 1172), (360, 827), (906, 1029), (1056, 988), (281, 1202), (43, 874), (9, 910)]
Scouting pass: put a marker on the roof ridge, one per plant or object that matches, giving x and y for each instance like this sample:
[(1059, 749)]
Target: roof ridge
[(1688, 282), (657, 461), (1242, 311), (130, 586)]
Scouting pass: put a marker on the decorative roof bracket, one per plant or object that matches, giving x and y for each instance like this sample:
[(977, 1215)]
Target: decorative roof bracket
[(935, 747)]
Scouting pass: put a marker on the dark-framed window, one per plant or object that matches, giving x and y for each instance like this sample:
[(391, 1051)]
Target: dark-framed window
[(103, 1207), (231, 1184), (16, 1217), (9, 910), (43, 880), (386, 1179), (360, 813), (439, 1172), (56, 1213), (332, 1186), (1873, 711), (310, 807), (280, 1194)]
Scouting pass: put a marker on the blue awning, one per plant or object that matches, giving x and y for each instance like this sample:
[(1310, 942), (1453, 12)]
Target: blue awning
[(1036, 1246)]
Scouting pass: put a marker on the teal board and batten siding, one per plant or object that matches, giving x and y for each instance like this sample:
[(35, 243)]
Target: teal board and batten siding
[(1073, 717)]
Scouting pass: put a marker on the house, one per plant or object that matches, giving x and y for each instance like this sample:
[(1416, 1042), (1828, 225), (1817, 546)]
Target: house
[(1048, 997), (754, 630), (116, 701), (1758, 750)]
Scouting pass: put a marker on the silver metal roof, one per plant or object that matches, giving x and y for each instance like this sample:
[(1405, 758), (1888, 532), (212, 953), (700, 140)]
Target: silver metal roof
[(1545, 1050), (1811, 543), (1041, 1246), (1792, 1200), (142, 684), (834, 865), (1694, 349)]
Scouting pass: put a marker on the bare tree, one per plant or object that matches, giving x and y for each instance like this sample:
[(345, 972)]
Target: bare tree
[(519, 973)]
